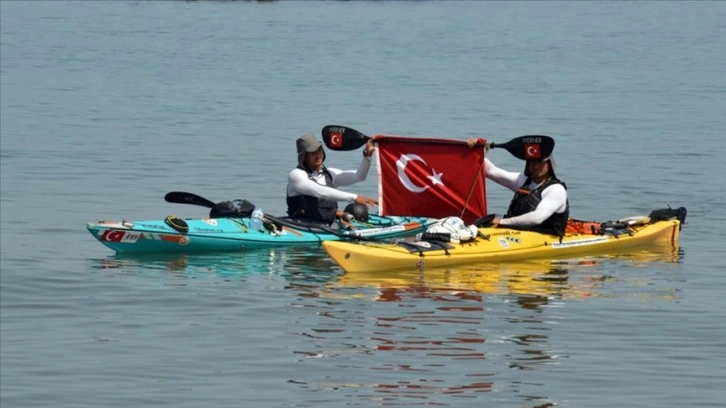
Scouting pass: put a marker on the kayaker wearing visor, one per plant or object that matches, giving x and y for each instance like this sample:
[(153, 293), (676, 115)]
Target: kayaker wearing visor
[(540, 198), (312, 188)]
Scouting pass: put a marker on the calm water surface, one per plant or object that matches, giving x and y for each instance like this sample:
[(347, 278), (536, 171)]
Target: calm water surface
[(106, 106)]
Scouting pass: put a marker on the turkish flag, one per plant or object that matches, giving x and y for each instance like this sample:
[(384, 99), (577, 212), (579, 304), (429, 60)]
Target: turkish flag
[(336, 139), (430, 177), (532, 151), (113, 235)]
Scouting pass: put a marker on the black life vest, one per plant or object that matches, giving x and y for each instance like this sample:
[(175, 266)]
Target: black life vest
[(526, 200), (313, 208)]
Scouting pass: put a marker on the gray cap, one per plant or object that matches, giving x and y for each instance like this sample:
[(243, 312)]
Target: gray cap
[(550, 159), (307, 143)]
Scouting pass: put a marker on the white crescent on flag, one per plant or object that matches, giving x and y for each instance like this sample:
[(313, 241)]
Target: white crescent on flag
[(401, 164), (336, 139), (403, 177)]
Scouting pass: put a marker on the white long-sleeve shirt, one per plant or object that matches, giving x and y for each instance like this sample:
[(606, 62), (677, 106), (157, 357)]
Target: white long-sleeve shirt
[(554, 197), (298, 182)]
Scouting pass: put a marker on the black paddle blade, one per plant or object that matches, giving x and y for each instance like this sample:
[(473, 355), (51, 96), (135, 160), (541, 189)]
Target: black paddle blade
[(530, 147), (485, 221), (180, 197), (343, 138)]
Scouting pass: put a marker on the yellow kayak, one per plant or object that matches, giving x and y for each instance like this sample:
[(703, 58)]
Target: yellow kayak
[(501, 244)]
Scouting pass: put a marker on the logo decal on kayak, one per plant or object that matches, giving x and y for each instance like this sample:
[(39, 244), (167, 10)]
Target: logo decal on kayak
[(580, 242), (503, 242), (210, 221), (128, 237), (372, 231), (174, 238)]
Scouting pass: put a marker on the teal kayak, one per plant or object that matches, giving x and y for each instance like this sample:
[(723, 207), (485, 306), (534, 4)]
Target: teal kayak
[(234, 234)]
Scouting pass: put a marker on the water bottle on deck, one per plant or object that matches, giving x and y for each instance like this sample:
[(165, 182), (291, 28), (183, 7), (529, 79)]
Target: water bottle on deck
[(256, 219)]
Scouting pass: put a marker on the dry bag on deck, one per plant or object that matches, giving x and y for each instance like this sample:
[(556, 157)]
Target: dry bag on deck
[(232, 209)]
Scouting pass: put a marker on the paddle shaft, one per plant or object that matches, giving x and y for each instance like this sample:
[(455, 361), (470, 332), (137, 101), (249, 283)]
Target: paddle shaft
[(527, 147)]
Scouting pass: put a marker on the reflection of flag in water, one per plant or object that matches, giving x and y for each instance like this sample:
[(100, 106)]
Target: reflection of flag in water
[(430, 177)]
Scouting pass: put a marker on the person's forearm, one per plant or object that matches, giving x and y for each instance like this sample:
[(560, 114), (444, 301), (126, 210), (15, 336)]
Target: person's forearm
[(348, 177), (549, 205), (528, 219)]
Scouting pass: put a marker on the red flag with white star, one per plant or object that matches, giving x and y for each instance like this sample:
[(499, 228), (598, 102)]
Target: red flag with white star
[(430, 177)]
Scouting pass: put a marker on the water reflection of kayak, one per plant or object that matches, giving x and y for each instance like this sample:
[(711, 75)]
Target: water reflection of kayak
[(278, 261), (569, 277)]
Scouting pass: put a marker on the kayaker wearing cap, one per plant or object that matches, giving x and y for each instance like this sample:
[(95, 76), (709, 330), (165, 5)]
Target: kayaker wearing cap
[(540, 198), (312, 188)]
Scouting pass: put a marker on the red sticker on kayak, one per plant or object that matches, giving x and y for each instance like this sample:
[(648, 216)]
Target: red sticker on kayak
[(532, 151), (120, 236), (112, 235)]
